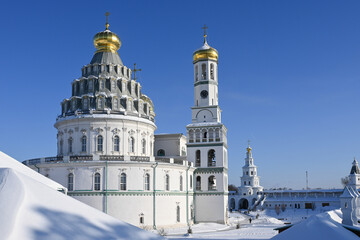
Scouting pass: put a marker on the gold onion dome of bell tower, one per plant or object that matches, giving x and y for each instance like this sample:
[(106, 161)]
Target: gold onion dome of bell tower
[(107, 41), (205, 52)]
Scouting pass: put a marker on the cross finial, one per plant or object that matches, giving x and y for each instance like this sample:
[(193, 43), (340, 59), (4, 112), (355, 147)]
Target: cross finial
[(135, 70), (107, 20), (205, 28), (249, 143)]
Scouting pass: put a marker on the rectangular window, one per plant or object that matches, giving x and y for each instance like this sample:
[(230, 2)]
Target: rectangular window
[(83, 144), (97, 182)]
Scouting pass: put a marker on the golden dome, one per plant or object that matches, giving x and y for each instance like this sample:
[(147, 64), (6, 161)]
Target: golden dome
[(107, 41), (248, 149), (205, 52)]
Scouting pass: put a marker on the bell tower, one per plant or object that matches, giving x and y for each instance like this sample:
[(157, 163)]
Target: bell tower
[(207, 140)]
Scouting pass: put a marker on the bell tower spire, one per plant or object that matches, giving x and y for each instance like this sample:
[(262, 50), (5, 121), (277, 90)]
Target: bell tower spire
[(207, 140)]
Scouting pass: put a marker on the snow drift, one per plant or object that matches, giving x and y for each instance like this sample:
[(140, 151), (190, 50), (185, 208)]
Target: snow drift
[(31, 209), (321, 226), (9, 162)]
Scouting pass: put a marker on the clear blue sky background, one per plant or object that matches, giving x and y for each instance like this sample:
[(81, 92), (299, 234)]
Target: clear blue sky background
[(289, 75)]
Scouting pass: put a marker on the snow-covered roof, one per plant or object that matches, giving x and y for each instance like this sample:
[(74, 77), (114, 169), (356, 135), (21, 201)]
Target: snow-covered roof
[(8, 162), (31, 209), (321, 226)]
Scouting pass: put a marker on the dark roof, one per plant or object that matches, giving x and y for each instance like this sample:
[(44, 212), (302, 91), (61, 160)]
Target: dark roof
[(355, 169), (106, 58)]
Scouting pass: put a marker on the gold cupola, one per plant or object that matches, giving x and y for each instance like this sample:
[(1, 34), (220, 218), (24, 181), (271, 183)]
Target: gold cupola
[(205, 52), (107, 41)]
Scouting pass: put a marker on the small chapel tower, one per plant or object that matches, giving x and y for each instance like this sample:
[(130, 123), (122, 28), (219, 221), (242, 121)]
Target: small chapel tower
[(207, 140), (354, 176), (250, 189)]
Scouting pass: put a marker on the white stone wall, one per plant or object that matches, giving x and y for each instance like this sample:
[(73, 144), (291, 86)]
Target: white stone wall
[(108, 127), (205, 210), (130, 204), (172, 144)]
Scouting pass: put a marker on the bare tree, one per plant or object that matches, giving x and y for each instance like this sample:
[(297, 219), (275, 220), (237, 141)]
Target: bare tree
[(344, 181)]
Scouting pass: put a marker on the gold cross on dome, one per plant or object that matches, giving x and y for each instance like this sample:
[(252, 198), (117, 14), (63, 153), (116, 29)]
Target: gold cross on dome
[(135, 70), (107, 20)]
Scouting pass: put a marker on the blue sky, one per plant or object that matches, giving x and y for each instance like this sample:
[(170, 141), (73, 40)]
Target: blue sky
[(289, 75)]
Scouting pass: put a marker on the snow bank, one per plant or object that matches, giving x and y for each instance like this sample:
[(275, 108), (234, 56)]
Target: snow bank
[(9, 162), (32, 210), (321, 226)]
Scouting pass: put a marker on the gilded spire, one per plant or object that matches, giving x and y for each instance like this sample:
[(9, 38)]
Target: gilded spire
[(107, 20)]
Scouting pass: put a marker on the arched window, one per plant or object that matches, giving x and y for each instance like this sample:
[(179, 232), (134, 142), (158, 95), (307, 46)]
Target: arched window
[(61, 151), (70, 145), (147, 182), (71, 182), (211, 135), (197, 135), (211, 158), (178, 214), (123, 181), (203, 71), (83, 144), (212, 71), (196, 73), (100, 143), (167, 182), (205, 135), (181, 183), (191, 136), (97, 182), (132, 144), (212, 183), (161, 152), (198, 158), (198, 183), (191, 181), (217, 135), (143, 146), (116, 144)]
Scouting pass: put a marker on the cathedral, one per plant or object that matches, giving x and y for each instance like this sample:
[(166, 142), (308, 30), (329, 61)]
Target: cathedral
[(109, 157)]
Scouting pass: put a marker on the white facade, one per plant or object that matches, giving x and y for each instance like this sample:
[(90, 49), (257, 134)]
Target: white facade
[(170, 145), (109, 158)]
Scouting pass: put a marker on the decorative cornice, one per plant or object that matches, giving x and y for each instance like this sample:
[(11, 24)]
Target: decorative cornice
[(210, 170)]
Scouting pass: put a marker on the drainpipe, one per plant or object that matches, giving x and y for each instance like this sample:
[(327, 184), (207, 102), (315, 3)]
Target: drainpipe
[(187, 196), (106, 184), (154, 195)]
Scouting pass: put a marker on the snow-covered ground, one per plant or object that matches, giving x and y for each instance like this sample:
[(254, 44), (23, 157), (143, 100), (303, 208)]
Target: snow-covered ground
[(261, 228)]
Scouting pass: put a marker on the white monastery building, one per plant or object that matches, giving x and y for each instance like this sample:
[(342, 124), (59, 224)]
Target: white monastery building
[(109, 157), (251, 195)]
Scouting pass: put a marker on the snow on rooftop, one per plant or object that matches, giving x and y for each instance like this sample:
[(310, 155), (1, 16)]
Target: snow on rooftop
[(32, 209), (322, 226)]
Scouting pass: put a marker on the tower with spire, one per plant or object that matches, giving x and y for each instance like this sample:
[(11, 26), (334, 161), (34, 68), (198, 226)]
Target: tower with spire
[(207, 139), (354, 176), (250, 189)]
